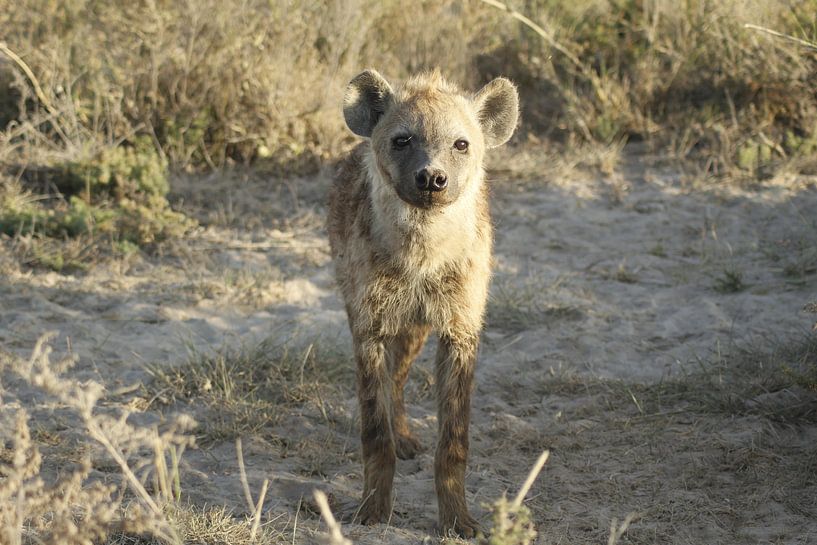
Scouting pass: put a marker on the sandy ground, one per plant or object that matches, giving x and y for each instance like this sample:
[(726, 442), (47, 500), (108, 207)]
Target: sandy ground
[(628, 279)]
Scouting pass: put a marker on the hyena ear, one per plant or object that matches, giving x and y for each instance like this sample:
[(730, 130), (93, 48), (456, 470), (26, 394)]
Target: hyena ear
[(366, 99), (498, 110)]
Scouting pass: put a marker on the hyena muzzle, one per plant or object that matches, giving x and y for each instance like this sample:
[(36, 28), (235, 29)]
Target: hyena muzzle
[(411, 237)]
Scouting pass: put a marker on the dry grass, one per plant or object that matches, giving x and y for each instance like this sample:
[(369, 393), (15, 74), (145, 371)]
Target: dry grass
[(213, 525), (245, 391), (139, 498), (723, 444), (84, 80), (264, 81), (517, 307), (74, 507), (776, 381), (207, 81), (622, 446)]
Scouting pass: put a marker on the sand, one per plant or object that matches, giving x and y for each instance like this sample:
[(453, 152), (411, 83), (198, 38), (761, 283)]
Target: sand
[(634, 277)]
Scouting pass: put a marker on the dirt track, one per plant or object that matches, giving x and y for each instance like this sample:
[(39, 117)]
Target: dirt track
[(607, 294)]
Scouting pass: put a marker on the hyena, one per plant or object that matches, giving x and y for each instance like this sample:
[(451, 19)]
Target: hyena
[(411, 238)]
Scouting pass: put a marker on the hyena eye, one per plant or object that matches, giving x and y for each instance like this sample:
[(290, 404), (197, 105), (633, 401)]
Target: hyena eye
[(400, 142), (461, 145)]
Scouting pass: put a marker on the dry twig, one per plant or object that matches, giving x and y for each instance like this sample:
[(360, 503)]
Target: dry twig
[(534, 472), (30, 75), (799, 41), (539, 30), (335, 534)]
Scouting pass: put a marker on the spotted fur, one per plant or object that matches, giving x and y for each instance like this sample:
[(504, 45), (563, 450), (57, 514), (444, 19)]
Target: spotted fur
[(408, 262)]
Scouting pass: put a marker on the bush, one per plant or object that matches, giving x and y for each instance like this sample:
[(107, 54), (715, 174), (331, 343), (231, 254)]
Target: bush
[(134, 172), (118, 193), (208, 83), (688, 75)]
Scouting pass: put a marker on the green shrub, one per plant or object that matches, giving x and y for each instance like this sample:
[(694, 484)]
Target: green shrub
[(127, 222), (27, 217), (753, 155), (150, 221), (116, 194), (134, 171)]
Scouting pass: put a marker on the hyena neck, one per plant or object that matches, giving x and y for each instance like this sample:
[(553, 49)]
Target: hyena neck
[(425, 239)]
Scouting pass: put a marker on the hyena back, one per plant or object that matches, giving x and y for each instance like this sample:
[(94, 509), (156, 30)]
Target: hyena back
[(411, 237)]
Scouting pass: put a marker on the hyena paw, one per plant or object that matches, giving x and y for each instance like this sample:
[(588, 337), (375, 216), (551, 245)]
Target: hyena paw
[(459, 525), (373, 510), (407, 446)]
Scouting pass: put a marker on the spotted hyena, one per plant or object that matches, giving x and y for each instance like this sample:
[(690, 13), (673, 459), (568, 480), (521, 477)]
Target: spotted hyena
[(411, 238)]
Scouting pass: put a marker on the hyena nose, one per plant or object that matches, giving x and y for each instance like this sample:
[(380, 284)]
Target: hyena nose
[(431, 180)]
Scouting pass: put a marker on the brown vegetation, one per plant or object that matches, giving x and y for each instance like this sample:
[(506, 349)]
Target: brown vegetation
[(204, 85)]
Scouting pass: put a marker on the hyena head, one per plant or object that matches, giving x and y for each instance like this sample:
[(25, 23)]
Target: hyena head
[(428, 139)]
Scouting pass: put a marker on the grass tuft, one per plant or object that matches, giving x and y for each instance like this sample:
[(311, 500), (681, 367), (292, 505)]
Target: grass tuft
[(730, 281), (247, 389)]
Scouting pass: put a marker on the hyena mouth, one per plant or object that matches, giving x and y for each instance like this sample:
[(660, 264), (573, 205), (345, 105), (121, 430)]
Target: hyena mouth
[(424, 200), (429, 200)]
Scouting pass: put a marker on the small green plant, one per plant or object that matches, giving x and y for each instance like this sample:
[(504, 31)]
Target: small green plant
[(802, 144), (132, 171), (753, 155), (658, 250), (116, 198), (512, 524), (730, 281), (625, 275), (805, 378)]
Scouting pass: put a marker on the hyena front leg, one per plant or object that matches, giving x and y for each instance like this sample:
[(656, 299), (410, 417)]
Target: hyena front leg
[(401, 352), (374, 395), (456, 358)]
